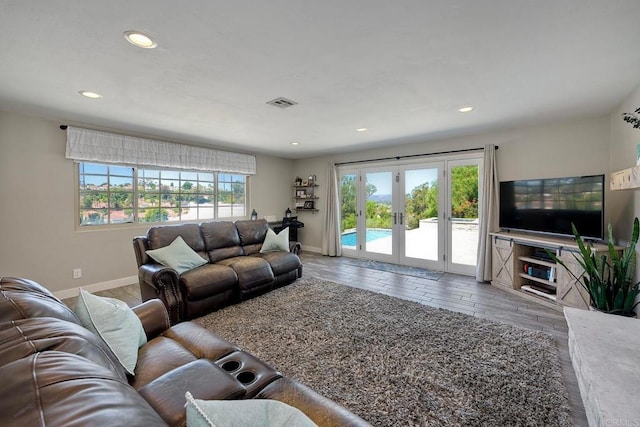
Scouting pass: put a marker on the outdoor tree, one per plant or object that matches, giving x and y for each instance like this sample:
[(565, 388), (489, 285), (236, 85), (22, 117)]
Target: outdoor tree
[(156, 215)]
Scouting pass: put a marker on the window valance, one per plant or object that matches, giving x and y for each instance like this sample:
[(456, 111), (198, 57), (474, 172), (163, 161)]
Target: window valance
[(95, 146)]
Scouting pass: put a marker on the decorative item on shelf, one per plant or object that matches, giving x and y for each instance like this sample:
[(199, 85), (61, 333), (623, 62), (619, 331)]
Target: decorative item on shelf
[(308, 204), (609, 281), (287, 213), (632, 118), (311, 181), (254, 215), (315, 179), (298, 181), (301, 194), (304, 183)]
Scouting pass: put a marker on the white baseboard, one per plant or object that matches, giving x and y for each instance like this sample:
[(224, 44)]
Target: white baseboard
[(312, 249), (97, 287)]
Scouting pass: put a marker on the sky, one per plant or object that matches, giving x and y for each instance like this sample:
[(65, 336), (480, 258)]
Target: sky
[(413, 178)]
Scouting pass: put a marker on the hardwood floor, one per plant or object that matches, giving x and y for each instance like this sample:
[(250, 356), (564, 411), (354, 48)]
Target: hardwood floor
[(451, 292)]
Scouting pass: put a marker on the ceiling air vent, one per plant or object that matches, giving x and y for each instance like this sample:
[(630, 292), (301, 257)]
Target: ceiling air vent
[(282, 102)]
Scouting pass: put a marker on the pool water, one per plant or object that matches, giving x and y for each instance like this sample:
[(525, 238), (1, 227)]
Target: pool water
[(349, 239)]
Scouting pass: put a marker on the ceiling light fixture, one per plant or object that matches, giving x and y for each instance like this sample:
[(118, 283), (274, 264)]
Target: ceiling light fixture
[(89, 94), (465, 109), (139, 39), (295, 143), (361, 130)]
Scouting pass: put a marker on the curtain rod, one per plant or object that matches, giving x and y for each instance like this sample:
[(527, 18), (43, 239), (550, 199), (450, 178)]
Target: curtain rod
[(63, 127), (411, 155)]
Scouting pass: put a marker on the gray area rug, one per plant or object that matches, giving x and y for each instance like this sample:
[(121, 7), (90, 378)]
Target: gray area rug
[(394, 268), (397, 363)]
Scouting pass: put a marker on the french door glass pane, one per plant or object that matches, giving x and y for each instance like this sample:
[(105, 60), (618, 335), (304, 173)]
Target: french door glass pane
[(464, 214), (378, 214), (421, 214), (348, 213)]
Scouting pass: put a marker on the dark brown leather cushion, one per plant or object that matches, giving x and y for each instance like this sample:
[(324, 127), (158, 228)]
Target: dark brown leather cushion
[(22, 299), (252, 232), (221, 240), (207, 280), (281, 262), (202, 378), (21, 338), (161, 236), (252, 271), (178, 345), (61, 389)]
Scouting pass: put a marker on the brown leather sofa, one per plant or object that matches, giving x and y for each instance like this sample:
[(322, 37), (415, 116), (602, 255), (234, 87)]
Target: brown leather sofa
[(56, 373), (236, 269)]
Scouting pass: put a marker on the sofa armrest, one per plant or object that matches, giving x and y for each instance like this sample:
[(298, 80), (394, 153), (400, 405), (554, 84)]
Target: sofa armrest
[(154, 317), (158, 281), (295, 247), (321, 410)]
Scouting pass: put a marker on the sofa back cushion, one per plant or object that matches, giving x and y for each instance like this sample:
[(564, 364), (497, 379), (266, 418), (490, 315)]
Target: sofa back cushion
[(252, 234), (221, 240), (164, 235), (54, 388), (23, 299), (22, 338)]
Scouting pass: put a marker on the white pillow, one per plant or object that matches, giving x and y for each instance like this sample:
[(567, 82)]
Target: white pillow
[(114, 322), (178, 255), (243, 413), (276, 242)]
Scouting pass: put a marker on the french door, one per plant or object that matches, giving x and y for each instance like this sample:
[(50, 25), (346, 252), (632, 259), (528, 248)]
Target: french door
[(423, 215)]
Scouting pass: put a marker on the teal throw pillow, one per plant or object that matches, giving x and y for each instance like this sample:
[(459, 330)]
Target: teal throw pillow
[(178, 255), (114, 322), (243, 413), (276, 242)]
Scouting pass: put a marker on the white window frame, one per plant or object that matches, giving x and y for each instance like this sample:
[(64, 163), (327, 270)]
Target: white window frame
[(237, 210)]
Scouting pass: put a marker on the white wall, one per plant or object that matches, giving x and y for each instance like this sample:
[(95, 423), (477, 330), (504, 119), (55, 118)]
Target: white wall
[(577, 147), (37, 217), (624, 139)]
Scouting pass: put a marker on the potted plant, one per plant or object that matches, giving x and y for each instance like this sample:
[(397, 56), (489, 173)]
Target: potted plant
[(610, 281)]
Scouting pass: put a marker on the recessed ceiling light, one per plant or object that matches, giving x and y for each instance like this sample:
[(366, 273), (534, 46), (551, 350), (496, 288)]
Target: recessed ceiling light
[(295, 143), (139, 39), (361, 130), (465, 109), (90, 94)]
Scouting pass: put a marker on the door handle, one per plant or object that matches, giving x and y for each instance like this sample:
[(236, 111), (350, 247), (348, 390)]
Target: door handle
[(401, 218), (394, 219)]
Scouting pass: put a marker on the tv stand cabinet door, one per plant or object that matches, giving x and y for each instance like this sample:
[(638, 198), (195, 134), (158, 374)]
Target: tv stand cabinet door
[(569, 291), (503, 263)]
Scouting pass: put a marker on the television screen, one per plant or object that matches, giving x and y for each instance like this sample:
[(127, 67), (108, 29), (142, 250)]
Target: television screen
[(552, 205)]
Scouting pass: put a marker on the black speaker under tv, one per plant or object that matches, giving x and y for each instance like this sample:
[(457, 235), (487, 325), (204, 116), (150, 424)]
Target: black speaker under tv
[(551, 205)]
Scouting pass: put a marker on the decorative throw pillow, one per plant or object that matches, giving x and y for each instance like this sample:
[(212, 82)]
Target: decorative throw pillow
[(243, 413), (178, 255), (276, 242), (114, 322)]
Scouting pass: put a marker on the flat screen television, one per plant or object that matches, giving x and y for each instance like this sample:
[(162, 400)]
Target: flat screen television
[(551, 205)]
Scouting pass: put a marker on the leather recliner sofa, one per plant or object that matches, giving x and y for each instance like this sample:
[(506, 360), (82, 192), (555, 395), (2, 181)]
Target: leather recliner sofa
[(57, 373), (236, 269)]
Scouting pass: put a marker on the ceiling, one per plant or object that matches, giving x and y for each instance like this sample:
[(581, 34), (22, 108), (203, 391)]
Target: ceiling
[(400, 69)]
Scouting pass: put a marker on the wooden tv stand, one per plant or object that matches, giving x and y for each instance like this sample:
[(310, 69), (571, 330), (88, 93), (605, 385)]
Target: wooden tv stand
[(546, 282)]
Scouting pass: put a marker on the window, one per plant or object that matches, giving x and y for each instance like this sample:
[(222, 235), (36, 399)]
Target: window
[(108, 195)]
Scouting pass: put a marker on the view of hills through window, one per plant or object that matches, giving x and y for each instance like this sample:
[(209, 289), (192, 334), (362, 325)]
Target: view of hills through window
[(107, 195)]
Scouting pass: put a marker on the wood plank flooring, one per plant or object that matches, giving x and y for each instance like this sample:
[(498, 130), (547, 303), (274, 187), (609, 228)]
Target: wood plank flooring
[(452, 292)]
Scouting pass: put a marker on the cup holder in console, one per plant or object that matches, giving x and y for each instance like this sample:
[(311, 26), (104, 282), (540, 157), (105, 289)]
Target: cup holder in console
[(246, 377), (252, 373), (230, 365)]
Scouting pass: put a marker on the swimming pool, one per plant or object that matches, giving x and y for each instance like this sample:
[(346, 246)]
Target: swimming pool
[(349, 239)]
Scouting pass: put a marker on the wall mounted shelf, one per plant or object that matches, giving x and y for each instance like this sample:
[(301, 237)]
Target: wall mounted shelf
[(627, 179)]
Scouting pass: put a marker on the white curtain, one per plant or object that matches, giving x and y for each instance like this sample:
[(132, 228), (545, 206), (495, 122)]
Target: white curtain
[(331, 241), (488, 213), (95, 146)]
